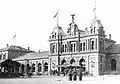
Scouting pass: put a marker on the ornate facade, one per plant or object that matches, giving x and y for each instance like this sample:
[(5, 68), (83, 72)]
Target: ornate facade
[(90, 45)]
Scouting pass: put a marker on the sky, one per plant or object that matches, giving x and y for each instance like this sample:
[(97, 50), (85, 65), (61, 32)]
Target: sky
[(32, 20)]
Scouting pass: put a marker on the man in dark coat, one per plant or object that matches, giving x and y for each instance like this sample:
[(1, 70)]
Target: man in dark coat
[(70, 74), (80, 74)]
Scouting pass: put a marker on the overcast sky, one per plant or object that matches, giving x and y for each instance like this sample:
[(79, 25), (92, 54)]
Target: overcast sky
[(32, 20)]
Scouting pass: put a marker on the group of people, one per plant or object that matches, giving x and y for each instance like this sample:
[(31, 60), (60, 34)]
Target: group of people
[(75, 73), (26, 70)]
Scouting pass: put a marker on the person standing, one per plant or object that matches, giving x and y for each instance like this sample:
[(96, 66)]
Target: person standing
[(80, 74), (70, 74)]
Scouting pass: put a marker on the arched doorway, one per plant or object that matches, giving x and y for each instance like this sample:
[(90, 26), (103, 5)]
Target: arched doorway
[(82, 63), (39, 67), (113, 64), (46, 66), (62, 63)]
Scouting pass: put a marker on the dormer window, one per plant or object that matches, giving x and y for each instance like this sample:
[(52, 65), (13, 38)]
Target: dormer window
[(52, 36), (55, 35)]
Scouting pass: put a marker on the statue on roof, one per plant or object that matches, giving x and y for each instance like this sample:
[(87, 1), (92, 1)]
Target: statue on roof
[(73, 17)]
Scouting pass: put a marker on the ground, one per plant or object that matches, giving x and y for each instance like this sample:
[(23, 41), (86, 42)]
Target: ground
[(111, 79)]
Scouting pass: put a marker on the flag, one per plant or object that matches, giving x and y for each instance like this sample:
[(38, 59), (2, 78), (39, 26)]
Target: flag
[(94, 9), (55, 14), (14, 36)]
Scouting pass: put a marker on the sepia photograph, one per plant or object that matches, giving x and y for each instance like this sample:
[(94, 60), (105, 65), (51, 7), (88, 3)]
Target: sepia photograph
[(59, 41)]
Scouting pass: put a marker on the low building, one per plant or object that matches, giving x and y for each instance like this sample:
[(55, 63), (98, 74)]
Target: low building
[(11, 52), (37, 60)]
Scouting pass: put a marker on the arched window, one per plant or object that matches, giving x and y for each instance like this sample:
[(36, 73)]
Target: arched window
[(72, 61), (46, 66), (82, 63), (33, 67), (113, 64), (39, 67), (21, 68), (62, 63)]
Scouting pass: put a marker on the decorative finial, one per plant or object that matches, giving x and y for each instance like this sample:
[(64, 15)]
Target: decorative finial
[(73, 17)]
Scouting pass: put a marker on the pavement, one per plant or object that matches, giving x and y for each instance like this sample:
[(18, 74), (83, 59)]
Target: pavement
[(111, 79)]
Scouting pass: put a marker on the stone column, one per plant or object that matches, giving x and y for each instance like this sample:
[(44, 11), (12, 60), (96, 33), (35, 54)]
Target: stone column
[(43, 67), (49, 66), (36, 67)]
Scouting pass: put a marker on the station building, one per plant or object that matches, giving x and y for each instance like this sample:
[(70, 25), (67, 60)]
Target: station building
[(100, 55)]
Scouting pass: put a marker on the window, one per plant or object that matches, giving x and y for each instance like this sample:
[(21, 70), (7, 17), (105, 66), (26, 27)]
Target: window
[(82, 63), (80, 46), (39, 67), (92, 45), (33, 67), (72, 61), (62, 48), (100, 48), (4, 57), (84, 46), (74, 47), (53, 49), (52, 36), (46, 66), (113, 64), (65, 48), (91, 30), (71, 47), (55, 35), (62, 63)]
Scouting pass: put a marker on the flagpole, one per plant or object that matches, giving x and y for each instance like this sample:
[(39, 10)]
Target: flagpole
[(95, 9), (14, 39), (58, 18), (58, 43)]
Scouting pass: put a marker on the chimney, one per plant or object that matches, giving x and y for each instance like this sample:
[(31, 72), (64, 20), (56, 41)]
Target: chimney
[(7, 45), (28, 48), (109, 36)]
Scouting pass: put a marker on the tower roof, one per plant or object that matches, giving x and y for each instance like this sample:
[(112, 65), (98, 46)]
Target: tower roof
[(58, 30)]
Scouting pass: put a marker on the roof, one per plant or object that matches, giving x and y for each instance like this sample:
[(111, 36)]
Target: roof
[(113, 48), (15, 48), (33, 55), (58, 30)]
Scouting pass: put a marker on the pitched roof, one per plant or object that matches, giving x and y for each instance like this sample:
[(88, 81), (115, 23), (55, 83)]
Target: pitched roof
[(113, 48), (14, 48), (33, 55)]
